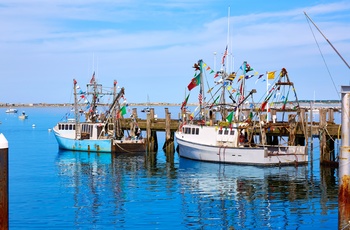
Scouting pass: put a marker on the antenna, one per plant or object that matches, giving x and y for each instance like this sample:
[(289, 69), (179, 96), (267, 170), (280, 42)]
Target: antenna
[(228, 36)]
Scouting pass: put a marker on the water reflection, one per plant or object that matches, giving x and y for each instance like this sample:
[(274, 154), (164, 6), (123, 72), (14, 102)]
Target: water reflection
[(253, 197), (98, 183), (130, 191)]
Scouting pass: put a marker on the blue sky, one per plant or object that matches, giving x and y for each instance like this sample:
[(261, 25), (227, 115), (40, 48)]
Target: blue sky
[(149, 47)]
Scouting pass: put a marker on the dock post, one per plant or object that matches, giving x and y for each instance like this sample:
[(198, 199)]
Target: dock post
[(148, 132), (152, 142), (344, 162), (4, 185), (302, 140), (293, 125), (323, 138), (331, 115), (168, 146), (134, 113)]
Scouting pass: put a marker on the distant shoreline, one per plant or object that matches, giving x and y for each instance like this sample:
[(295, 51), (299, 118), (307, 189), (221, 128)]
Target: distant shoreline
[(6, 105)]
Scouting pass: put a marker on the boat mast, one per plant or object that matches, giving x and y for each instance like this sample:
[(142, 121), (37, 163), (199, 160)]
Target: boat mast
[(201, 90), (76, 111), (93, 102), (225, 70), (114, 111)]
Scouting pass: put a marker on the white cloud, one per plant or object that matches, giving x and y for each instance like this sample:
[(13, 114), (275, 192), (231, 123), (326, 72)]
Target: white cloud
[(153, 45)]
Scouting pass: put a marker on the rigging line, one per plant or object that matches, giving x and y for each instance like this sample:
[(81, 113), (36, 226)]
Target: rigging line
[(324, 60), (206, 80)]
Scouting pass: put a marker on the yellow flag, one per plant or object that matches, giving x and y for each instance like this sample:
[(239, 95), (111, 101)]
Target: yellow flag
[(271, 75)]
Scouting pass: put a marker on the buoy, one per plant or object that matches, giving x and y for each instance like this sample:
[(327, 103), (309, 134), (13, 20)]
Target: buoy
[(33, 125), (49, 130)]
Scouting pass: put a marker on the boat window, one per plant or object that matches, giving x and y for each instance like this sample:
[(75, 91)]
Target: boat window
[(66, 127), (193, 131), (188, 130), (197, 131), (232, 132), (226, 132), (59, 126), (90, 130), (73, 127), (70, 127), (220, 131)]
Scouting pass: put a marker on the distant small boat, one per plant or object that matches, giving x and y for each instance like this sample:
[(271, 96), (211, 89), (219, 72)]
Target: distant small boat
[(147, 109), (23, 116), (11, 111)]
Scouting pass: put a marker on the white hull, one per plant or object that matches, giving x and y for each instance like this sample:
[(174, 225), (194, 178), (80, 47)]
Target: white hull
[(198, 147), (23, 117), (11, 111)]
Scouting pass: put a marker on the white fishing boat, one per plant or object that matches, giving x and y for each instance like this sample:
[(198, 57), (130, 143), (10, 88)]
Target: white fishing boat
[(23, 116), (95, 126), (147, 109), (11, 111), (240, 135)]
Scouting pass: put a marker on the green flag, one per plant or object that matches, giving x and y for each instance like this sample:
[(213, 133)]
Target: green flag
[(123, 110), (230, 117), (185, 102)]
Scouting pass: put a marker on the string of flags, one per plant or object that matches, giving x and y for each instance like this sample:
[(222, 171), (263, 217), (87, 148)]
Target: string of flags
[(232, 76), (227, 82)]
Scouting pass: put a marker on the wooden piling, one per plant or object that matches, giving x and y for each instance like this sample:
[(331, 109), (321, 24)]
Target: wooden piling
[(292, 129), (322, 134), (4, 185), (148, 132), (152, 142), (303, 126), (134, 113), (168, 146)]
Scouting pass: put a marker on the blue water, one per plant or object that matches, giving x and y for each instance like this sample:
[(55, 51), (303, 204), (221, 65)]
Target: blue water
[(54, 189)]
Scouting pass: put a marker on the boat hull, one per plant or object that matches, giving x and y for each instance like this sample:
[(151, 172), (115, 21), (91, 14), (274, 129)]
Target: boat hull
[(11, 111), (129, 146), (260, 156), (100, 145)]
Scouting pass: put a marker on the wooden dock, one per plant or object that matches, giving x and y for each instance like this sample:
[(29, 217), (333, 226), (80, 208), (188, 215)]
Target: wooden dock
[(325, 129)]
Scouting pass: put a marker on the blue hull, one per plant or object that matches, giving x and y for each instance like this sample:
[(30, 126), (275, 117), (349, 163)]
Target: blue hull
[(102, 145)]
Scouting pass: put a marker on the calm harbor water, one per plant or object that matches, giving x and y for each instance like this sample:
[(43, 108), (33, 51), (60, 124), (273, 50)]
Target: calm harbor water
[(55, 189)]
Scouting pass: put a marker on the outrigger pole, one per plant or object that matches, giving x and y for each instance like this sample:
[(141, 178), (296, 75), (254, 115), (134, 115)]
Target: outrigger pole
[(327, 40)]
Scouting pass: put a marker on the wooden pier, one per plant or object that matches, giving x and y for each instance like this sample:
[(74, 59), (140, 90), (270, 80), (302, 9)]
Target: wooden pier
[(302, 130)]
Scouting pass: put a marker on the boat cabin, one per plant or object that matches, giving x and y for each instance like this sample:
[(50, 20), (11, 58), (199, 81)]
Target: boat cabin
[(88, 130)]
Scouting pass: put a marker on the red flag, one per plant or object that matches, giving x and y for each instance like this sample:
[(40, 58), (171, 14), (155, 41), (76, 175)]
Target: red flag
[(194, 82), (92, 78), (200, 98), (224, 56), (263, 105)]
